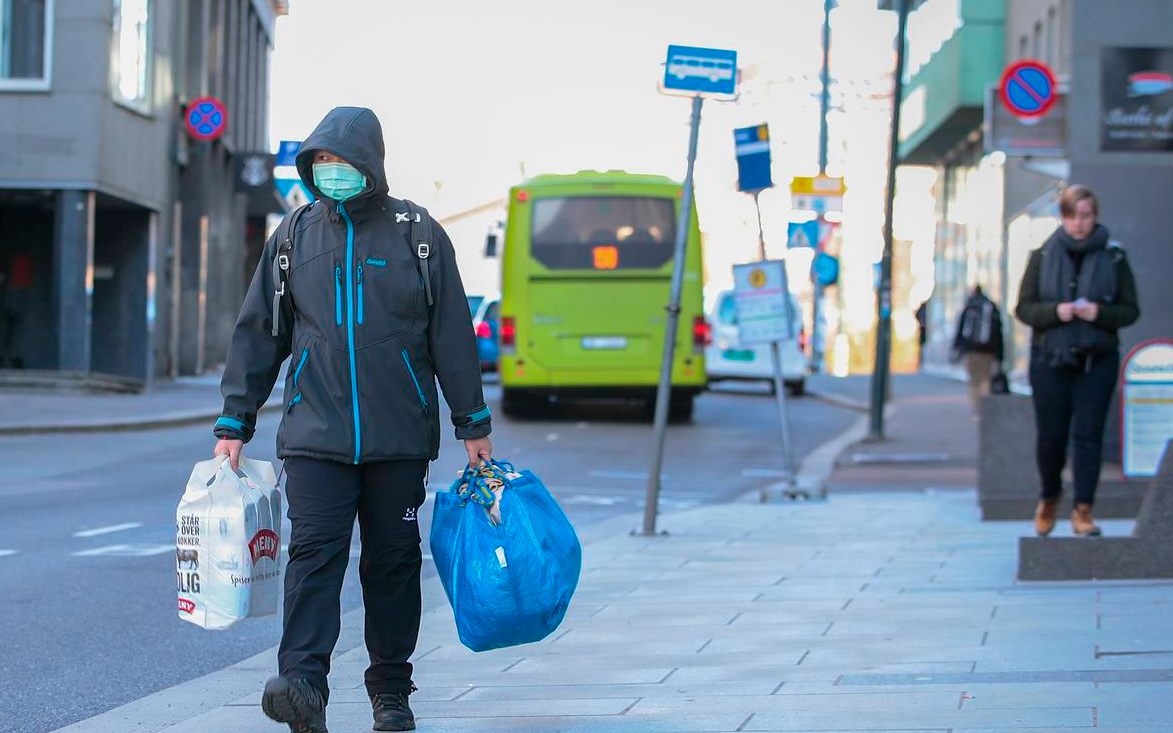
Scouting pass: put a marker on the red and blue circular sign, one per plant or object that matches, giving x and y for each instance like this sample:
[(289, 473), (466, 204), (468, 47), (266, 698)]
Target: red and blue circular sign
[(1028, 89), (206, 118)]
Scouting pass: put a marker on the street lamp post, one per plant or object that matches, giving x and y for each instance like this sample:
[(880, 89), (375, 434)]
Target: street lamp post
[(824, 105), (884, 292)]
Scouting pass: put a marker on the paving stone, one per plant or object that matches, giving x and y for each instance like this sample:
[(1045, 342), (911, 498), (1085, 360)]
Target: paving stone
[(864, 704), (1041, 717), (927, 677), (669, 689)]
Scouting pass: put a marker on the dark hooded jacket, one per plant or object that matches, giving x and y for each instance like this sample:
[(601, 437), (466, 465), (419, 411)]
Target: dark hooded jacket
[(367, 350)]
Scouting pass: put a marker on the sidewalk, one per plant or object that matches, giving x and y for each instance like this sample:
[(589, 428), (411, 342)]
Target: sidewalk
[(930, 440), (868, 612), (187, 400), (872, 611)]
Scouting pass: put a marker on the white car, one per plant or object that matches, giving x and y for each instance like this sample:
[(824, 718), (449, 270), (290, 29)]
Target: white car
[(727, 358)]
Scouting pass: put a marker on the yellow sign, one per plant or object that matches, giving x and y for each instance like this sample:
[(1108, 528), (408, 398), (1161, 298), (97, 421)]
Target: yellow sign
[(757, 278), (817, 186)]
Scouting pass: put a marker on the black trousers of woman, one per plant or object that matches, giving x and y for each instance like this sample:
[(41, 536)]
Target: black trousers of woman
[(1072, 403), (324, 497)]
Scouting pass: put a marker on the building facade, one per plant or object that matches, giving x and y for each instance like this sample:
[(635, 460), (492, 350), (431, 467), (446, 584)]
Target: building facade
[(124, 243), (1113, 128)]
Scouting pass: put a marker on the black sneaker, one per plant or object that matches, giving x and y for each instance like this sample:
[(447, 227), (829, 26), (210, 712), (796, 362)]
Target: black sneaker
[(392, 711), (295, 702)]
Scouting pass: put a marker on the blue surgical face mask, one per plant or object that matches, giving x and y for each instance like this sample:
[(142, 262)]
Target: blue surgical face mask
[(339, 181)]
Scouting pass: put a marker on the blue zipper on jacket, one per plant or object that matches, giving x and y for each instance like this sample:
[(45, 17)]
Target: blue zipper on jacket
[(418, 390), (350, 328), (337, 295), (305, 354), (360, 298)]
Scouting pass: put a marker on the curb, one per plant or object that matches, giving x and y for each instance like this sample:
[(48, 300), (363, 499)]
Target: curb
[(175, 419), (818, 465), (839, 400)]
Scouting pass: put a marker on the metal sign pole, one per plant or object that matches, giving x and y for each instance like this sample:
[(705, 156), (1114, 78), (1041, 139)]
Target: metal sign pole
[(777, 359), (761, 235), (664, 390), (780, 385)]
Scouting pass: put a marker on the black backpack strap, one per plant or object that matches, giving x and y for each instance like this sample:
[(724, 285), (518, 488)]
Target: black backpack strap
[(421, 243), (282, 260)]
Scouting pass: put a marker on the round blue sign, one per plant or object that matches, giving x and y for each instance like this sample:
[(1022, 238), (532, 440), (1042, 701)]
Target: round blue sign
[(825, 268), (1028, 89), (206, 118)]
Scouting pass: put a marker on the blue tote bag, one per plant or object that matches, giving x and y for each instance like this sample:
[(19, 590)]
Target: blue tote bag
[(510, 582)]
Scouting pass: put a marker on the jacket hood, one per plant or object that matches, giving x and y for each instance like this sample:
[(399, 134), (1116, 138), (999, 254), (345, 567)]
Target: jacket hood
[(355, 135)]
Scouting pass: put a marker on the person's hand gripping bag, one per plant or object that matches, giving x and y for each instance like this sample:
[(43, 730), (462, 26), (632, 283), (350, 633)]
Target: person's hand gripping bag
[(509, 581), (228, 543)]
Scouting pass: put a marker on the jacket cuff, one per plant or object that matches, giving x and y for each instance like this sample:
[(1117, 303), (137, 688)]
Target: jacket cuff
[(232, 428), (472, 425)]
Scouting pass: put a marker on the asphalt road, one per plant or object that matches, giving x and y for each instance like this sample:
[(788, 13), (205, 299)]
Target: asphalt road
[(87, 534)]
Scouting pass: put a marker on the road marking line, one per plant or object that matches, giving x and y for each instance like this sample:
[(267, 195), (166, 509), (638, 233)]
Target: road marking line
[(633, 475), (107, 530), (551, 437), (763, 473), (126, 551), (6, 553), (595, 500)]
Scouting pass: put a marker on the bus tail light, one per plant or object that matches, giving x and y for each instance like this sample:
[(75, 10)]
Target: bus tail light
[(803, 340), (702, 334), (484, 330), (509, 334)]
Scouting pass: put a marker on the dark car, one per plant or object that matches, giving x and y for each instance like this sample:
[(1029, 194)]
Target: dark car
[(485, 315)]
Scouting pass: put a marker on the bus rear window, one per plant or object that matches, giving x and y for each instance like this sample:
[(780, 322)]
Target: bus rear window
[(603, 232)]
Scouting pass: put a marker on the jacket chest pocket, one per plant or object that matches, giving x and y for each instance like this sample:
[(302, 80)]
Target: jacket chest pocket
[(388, 296), (318, 290)]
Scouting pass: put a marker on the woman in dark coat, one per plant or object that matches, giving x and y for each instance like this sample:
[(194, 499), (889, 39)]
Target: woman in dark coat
[(1078, 291)]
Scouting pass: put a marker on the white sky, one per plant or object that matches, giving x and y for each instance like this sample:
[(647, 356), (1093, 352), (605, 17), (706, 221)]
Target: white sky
[(468, 91)]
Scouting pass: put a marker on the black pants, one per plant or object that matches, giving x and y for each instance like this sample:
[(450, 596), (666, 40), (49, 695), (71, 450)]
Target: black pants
[(324, 497), (1067, 396)]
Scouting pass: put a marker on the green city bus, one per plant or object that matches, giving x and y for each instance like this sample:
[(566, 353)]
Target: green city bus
[(585, 277)]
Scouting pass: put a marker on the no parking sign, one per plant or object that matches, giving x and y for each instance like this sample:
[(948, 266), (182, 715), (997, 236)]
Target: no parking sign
[(206, 118), (1028, 89)]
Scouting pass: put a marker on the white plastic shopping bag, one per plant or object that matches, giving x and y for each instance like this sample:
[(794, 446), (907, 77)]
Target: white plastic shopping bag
[(228, 543)]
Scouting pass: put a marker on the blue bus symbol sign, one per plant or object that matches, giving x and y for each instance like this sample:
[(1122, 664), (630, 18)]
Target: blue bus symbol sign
[(702, 70)]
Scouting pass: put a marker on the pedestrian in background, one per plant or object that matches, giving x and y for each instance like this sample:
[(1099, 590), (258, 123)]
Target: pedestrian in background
[(1077, 292), (979, 342), (922, 332), (370, 326)]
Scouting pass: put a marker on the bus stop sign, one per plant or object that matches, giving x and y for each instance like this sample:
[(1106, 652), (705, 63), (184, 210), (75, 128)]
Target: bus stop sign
[(701, 70)]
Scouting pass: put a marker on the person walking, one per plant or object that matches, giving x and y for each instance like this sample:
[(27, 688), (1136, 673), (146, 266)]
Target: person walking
[(922, 332), (372, 314), (979, 342), (1077, 292)]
